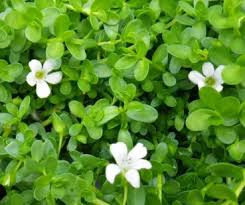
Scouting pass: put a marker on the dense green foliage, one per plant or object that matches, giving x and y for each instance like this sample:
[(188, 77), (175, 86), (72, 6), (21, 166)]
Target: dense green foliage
[(125, 67)]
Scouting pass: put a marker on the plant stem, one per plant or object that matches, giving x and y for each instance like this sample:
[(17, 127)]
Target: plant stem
[(240, 187), (61, 136), (99, 202), (6, 132), (18, 166), (159, 187), (46, 122), (125, 196)]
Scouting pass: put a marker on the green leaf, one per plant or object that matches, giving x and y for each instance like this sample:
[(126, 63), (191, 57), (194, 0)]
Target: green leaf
[(101, 5), (179, 123), (161, 152), (24, 107), (160, 55), (126, 62), (84, 85), (15, 198), (141, 70), (110, 112), (66, 88), (141, 48), (221, 191), (141, 112), (95, 132), (94, 22), (122, 90), (13, 149), (55, 49), (237, 150), (5, 94), (233, 74), (172, 187), (77, 108), (5, 118), (41, 188), (185, 20), (88, 161), (226, 170), (169, 79), (136, 31), (195, 197), (136, 196), (61, 24), (226, 135), (125, 136), (50, 165), (220, 55), (242, 114), (37, 150), (229, 108), (44, 3), (77, 51), (10, 72), (49, 16), (152, 199), (15, 20), (169, 7), (102, 70), (179, 51), (230, 6), (12, 109), (209, 96), (33, 32), (58, 123), (202, 119), (75, 129)]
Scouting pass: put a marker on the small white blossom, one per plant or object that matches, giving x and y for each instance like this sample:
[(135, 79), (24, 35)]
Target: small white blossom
[(127, 163), (210, 77), (41, 76)]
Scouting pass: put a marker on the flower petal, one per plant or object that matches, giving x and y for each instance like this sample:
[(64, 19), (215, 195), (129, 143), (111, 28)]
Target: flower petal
[(51, 64), (112, 170), (30, 79), (201, 84), (138, 152), (208, 69), (35, 65), (54, 78), (196, 77), (119, 151), (218, 87), (133, 178), (43, 89), (141, 164), (218, 74)]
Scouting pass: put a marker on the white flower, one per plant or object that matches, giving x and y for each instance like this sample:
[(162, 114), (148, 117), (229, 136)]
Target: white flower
[(41, 76), (211, 77), (127, 163)]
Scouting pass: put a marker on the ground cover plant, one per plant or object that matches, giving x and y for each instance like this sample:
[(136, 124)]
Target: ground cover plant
[(115, 102)]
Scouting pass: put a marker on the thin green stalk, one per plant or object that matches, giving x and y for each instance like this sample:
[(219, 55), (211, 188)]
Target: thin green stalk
[(240, 187), (18, 166), (159, 187), (125, 196), (46, 122), (99, 202), (6, 132), (61, 136)]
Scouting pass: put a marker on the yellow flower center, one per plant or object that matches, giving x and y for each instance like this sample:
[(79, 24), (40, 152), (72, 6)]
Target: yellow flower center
[(210, 81), (40, 74)]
